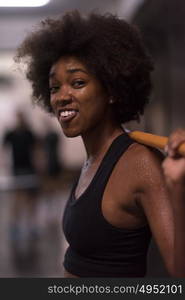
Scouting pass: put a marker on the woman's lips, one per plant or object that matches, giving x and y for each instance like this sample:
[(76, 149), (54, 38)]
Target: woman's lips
[(67, 115)]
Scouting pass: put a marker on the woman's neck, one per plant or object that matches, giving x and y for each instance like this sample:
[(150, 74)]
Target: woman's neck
[(97, 142)]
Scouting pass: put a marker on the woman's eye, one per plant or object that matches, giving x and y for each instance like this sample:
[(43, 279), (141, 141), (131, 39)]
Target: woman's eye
[(53, 89), (78, 83)]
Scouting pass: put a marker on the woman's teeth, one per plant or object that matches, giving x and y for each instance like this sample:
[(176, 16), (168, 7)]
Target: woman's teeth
[(67, 113)]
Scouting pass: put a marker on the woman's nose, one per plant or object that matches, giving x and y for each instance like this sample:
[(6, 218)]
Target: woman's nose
[(61, 98), (64, 93)]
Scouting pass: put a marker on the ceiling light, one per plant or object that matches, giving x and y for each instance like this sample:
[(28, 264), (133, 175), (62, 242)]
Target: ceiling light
[(23, 3)]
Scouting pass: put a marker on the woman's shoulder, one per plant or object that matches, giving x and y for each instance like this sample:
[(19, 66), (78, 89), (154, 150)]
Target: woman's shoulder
[(141, 153), (142, 162)]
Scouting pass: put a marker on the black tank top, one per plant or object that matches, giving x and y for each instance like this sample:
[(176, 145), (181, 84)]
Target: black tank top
[(97, 248)]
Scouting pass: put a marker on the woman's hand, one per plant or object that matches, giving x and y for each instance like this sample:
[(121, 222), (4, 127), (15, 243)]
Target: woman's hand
[(174, 164)]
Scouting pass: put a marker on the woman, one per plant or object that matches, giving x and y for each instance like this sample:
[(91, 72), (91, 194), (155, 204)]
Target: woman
[(93, 73)]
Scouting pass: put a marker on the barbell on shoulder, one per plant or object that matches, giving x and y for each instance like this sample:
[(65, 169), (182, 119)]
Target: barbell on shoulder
[(153, 140)]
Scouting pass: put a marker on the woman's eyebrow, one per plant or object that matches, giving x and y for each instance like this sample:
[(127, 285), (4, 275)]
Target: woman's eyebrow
[(74, 70), (71, 70)]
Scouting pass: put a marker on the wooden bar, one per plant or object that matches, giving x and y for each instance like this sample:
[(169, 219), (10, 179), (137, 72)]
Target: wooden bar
[(153, 140)]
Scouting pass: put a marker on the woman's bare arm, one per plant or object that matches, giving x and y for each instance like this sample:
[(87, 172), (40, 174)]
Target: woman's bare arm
[(174, 171)]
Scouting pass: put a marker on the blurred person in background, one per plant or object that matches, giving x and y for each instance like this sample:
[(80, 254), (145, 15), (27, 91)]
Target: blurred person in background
[(94, 75), (53, 164), (52, 172), (22, 143), (174, 170)]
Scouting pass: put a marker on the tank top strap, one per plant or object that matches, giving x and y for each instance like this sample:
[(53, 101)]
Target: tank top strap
[(116, 149)]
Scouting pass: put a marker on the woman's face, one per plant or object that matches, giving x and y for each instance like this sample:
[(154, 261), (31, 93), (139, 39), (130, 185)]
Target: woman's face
[(77, 97)]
